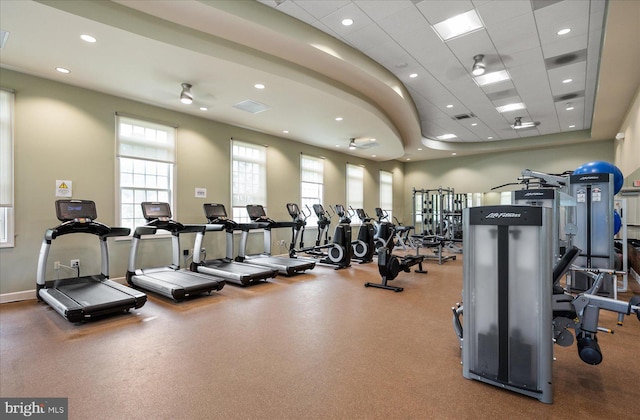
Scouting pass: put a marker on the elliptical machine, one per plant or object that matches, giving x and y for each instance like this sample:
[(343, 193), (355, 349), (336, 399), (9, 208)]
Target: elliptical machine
[(337, 253), (364, 245), (390, 265), (383, 230)]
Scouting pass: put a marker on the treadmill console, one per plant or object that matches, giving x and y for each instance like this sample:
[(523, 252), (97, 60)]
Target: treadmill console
[(215, 211), (82, 211), (156, 211), (256, 211)]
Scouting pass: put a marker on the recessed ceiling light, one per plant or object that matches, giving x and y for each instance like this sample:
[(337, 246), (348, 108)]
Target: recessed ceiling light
[(572, 126), (63, 70), (446, 137), (203, 108), (420, 148), (453, 154), (408, 158), (285, 131), (489, 138), (372, 139), (567, 81), (337, 145), (339, 118), (449, 106), (474, 124), (347, 22), (493, 77), (569, 107), (510, 107), (413, 75), (458, 25), (88, 38), (374, 155), (563, 31), (258, 86)]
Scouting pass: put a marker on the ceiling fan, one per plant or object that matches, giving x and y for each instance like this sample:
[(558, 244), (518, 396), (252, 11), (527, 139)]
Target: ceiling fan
[(362, 143)]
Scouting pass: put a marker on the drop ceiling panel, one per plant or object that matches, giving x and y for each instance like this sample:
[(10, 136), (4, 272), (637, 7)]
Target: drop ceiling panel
[(575, 71), (294, 10), (368, 38), (565, 46), (493, 13), (334, 20), (404, 21), (321, 8), (565, 14), (378, 10), (517, 34)]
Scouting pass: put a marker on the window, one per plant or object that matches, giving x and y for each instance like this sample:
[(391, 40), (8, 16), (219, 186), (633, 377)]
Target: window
[(146, 161), (386, 193), (311, 185), (6, 169), (248, 178), (355, 187)]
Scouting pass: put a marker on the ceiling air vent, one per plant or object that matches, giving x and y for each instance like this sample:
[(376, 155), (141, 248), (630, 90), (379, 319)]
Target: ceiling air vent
[(463, 116), (251, 106), (565, 59)]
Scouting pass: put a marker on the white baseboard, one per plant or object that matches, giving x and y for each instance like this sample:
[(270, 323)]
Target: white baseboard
[(17, 296), (31, 294)]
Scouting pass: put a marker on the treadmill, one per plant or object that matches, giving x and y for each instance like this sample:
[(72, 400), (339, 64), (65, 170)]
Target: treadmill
[(169, 281), (285, 265), (83, 297), (233, 271)]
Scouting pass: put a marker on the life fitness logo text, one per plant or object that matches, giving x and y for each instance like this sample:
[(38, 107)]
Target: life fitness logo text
[(503, 216)]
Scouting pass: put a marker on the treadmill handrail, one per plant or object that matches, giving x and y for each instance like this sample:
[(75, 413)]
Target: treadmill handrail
[(91, 227)]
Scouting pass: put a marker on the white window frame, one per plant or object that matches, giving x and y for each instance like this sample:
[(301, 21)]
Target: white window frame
[(355, 188), (311, 185), (386, 193), (146, 150), (248, 178), (7, 220)]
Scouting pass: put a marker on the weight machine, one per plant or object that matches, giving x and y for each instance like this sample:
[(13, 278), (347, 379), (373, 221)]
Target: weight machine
[(438, 214), (515, 308)]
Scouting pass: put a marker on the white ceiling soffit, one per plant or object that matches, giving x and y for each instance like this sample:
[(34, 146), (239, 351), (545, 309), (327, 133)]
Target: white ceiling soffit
[(315, 69), (146, 58), (519, 37)]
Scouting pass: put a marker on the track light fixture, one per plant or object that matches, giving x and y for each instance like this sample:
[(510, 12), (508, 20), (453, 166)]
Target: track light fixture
[(478, 65), (186, 97), (518, 122), (352, 144), (519, 125)]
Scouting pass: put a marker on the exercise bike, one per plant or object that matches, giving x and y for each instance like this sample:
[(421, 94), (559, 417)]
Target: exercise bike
[(364, 245), (338, 252), (390, 265)]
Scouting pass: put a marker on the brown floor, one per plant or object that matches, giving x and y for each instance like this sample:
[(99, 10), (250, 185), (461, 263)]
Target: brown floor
[(315, 346)]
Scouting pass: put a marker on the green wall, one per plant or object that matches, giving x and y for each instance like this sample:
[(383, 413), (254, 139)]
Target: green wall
[(480, 173), (66, 132)]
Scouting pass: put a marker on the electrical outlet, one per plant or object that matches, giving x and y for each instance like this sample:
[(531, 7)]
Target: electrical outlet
[(56, 265), (75, 263)]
